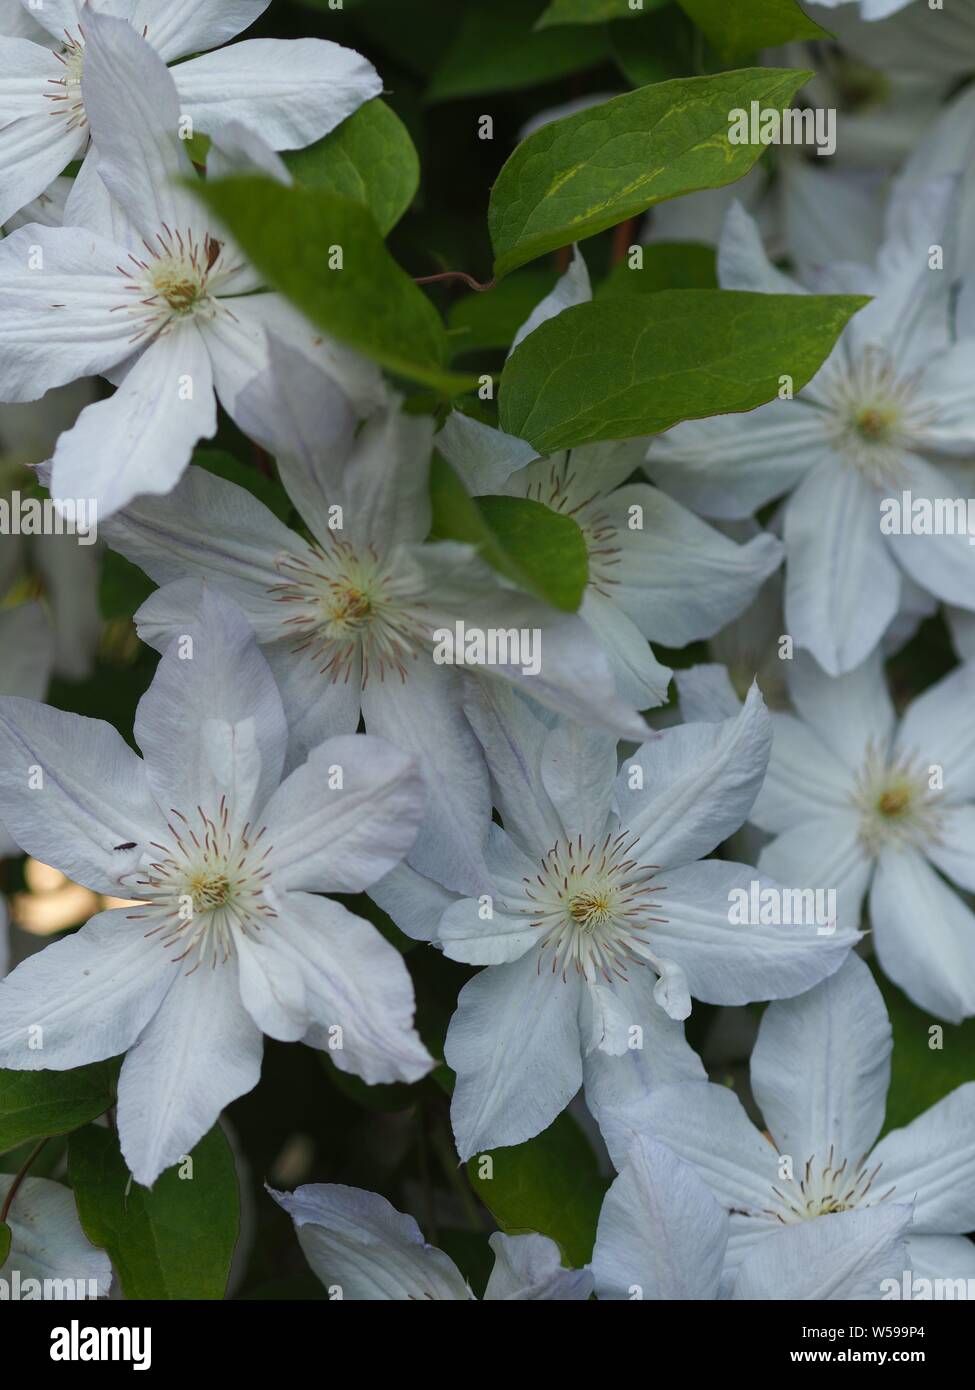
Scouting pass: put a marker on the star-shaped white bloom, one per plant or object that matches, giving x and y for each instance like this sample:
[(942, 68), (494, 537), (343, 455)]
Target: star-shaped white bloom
[(50, 1255), (820, 1072), (347, 619), (142, 287), (601, 919), (363, 1249), (894, 391), (655, 570), (662, 1235), (291, 92), (228, 937), (859, 801)]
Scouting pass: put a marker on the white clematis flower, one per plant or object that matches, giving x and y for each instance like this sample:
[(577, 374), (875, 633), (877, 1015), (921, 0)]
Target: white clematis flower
[(601, 919), (146, 290), (662, 1235), (230, 938), (896, 389), (50, 1255), (860, 802), (363, 1249), (291, 92), (656, 571), (820, 1072), (348, 619)]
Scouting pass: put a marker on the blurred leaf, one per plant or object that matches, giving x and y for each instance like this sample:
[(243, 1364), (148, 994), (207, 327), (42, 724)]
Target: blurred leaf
[(540, 550), (498, 49), (175, 1240), (6, 1236), (922, 1074), (491, 319), (370, 158), (551, 1185), (392, 1096), (122, 587), (370, 303), (626, 367), (594, 11), (738, 30), (667, 265), (34, 1104), (579, 175), (663, 45)]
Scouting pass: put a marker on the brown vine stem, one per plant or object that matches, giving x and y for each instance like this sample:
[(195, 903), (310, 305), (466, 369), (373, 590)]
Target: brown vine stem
[(21, 1175), (454, 275)]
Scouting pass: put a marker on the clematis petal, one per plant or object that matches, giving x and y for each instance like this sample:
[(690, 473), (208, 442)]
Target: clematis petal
[(191, 26), (530, 1267), (931, 1162), (847, 1255), (47, 1240)]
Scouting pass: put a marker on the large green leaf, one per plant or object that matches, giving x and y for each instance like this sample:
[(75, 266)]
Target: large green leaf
[(551, 1185), (665, 265), (35, 1104), (370, 303), (540, 550), (496, 50), (369, 157), (624, 367), (930, 1057), (594, 11), (175, 1240), (492, 318), (738, 29), (589, 171)]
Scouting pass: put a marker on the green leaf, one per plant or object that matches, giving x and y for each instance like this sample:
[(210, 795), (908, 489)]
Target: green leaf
[(175, 1240), (589, 171), (6, 1236), (538, 549), (667, 265), (621, 368), (594, 11), (738, 30), (551, 1185), (35, 1104), (370, 303), (496, 50), (664, 45), (490, 319), (921, 1074), (369, 157)]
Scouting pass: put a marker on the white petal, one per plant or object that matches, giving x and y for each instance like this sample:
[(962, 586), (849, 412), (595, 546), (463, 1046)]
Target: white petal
[(806, 779), (943, 1257), (677, 578), (530, 1267), (70, 574), (57, 322), (514, 1044), (942, 564), (823, 851), (938, 727), (360, 1245), (571, 289), (200, 1051), (415, 903), (837, 1037), (293, 91), (848, 714), (953, 849), (27, 642), (578, 769), (842, 585), (140, 440), (640, 679), (467, 934), (661, 1234), (272, 988), (47, 1239), (742, 261), (134, 113), (190, 26), (358, 989), (26, 71), (932, 1163), (71, 790), (699, 781), (90, 995), (484, 457), (924, 935), (345, 817), (707, 695), (846, 1255), (34, 150), (217, 678)]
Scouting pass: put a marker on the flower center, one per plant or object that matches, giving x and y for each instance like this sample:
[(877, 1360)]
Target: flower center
[(873, 414), (823, 1191), (593, 907), (67, 89), (177, 280), (598, 531), (206, 887), (348, 604), (897, 806)]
